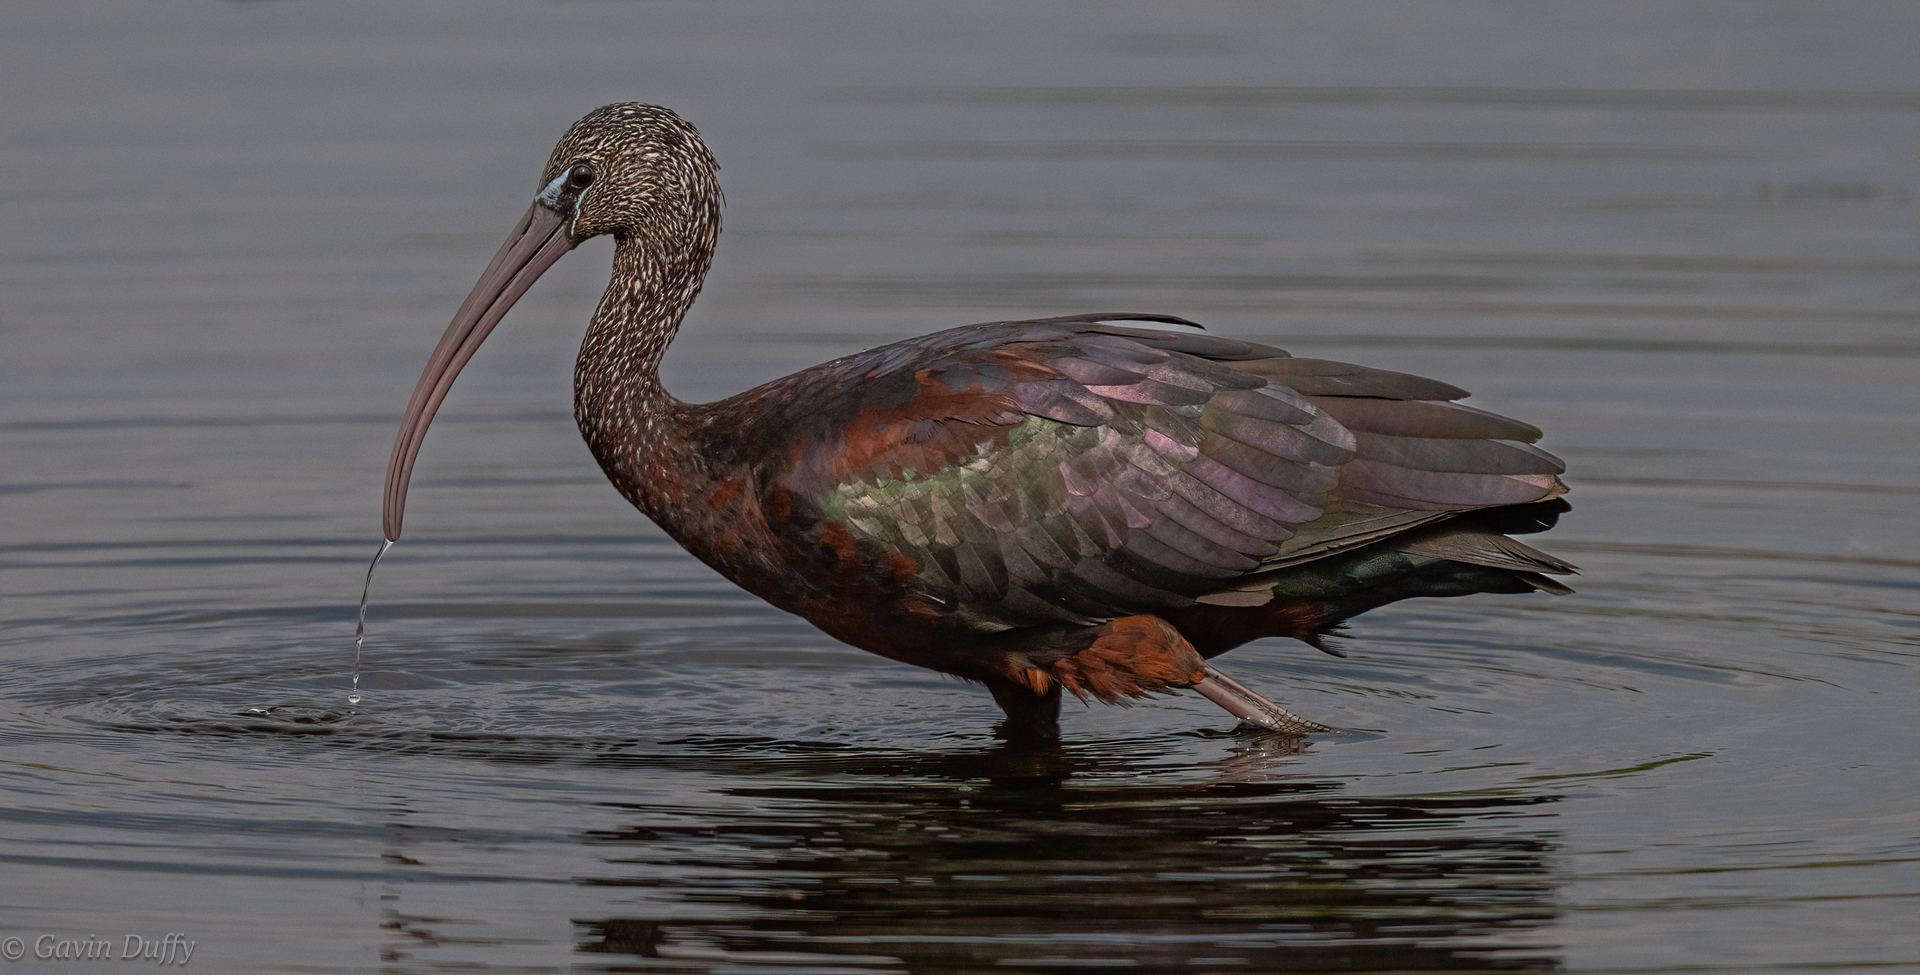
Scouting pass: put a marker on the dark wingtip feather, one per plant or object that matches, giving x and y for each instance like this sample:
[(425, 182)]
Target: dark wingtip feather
[(1551, 587), (1096, 317), (1321, 639), (1521, 519)]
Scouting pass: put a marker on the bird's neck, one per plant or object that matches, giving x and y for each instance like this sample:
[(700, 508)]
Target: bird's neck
[(629, 420)]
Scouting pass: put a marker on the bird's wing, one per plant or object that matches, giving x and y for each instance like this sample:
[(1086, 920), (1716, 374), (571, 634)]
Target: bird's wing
[(1069, 470), (1418, 456)]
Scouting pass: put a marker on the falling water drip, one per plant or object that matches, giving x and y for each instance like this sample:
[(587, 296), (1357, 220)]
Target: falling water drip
[(360, 628)]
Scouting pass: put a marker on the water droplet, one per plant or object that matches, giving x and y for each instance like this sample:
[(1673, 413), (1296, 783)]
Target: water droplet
[(360, 628)]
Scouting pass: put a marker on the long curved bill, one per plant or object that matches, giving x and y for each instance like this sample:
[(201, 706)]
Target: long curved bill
[(537, 241)]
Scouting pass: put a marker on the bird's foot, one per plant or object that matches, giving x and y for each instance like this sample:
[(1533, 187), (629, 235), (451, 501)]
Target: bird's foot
[(1255, 710), (1033, 717)]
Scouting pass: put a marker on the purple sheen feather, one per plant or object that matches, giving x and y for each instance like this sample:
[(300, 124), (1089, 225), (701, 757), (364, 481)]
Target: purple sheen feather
[(1370, 481), (1114, 501), (1063, 401), (1403, 418), (1174, 536), (1270, 402), (1152, 462), (1292, 443), (1170, 448), (1278, 473), (1102, 534), (1043, 496), (1397, 501), (1459, 456), (1216, 505), (1142, 486), (1200, 375), (1176, 509), (1261, 499), (1090, 372), (1153, 392), (1083, 475)]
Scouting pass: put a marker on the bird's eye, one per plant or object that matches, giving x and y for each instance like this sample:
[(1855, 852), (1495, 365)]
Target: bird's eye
[(579, 178)]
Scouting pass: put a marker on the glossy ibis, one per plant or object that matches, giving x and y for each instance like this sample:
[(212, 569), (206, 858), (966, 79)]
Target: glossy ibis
[(1062, 503)]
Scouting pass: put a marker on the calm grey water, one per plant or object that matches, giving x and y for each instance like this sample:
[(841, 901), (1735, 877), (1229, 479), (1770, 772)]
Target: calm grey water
[(1680, 236)]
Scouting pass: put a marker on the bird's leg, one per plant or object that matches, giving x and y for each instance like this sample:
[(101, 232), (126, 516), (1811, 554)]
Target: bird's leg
[(1032, 716), (1250, 707)]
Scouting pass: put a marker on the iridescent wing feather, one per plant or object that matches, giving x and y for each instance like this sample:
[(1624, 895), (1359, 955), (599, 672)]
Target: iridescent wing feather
[(1072, 470)]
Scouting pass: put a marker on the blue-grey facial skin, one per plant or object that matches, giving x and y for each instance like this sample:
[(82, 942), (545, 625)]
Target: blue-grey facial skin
[(1676, 237)]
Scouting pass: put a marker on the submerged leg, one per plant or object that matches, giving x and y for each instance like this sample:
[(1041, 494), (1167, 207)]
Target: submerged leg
[(1031, 715), (1249, 707)]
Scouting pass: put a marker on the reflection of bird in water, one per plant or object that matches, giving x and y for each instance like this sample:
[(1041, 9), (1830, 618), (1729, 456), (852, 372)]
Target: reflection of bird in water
[(895, 862), (1038, 505)]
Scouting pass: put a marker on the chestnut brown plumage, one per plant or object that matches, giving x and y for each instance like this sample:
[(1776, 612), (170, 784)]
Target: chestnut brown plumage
[(1062, 503)]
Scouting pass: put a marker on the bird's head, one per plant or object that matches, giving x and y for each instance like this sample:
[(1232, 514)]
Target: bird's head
[(637, 172), (634, 171)]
